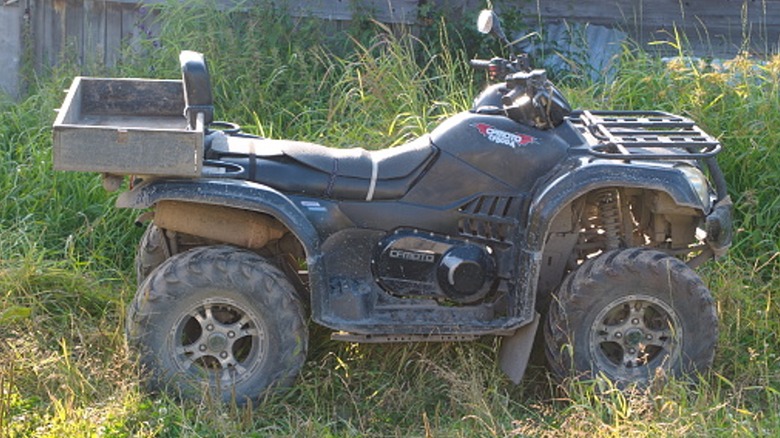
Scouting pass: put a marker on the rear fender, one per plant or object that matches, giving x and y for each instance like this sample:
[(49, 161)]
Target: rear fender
[(241, 195), (227, 193)]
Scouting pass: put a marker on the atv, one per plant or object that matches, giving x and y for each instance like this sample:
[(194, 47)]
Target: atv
[(516, 213)]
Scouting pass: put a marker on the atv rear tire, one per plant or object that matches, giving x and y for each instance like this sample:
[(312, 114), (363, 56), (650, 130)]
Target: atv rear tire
[(628, 313), (217, 319)]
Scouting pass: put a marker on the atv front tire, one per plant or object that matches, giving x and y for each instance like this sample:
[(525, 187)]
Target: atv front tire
[(627, 313), (217, 319)]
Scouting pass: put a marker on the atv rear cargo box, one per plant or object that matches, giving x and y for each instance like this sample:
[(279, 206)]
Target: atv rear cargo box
[(126, 127)]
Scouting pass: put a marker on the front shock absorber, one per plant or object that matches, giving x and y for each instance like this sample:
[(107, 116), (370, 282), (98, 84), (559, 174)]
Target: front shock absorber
[(608, 202)]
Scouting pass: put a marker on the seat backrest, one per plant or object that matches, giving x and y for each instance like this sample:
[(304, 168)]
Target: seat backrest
[(197, 88)]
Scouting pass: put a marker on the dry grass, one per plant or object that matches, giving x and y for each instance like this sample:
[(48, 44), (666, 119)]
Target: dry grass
[(66, 254)]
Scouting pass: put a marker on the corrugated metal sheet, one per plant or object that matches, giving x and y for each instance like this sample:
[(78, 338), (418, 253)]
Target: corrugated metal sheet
[(712, 28), (573, 48)]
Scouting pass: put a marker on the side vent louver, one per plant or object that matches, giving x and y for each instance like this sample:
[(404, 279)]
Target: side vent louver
[(491, 218)]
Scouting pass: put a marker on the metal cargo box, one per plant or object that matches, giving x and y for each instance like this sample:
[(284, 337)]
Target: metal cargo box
[(126, 127)]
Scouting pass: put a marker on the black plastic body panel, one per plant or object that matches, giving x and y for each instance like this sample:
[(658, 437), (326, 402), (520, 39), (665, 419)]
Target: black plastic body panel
[(493, 184), (513, 154)]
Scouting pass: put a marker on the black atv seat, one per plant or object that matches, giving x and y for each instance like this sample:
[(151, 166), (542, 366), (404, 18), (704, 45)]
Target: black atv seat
[(311, 169)]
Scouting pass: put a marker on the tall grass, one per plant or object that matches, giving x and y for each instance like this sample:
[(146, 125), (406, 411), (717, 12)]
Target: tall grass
[(274, 74), (735, 100), (66, 252)]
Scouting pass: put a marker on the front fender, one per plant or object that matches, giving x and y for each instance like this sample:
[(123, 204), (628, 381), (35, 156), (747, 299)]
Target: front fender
[(228, 193), (574, 181), (548, 201)]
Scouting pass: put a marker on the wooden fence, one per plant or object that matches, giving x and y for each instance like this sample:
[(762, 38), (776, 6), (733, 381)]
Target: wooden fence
[(96, 31), (91, 30)]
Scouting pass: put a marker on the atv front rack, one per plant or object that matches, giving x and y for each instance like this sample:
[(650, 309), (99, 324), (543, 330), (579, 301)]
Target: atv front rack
[(644, 135)]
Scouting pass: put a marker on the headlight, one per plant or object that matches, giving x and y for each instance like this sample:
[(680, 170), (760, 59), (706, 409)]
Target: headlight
[(699, 183)]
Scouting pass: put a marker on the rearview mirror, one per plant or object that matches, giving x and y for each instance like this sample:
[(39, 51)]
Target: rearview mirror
[(485, 21), (488, 22)]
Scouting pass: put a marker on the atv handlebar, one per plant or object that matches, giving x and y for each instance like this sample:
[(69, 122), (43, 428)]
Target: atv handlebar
[(480, 64), (499, 68)]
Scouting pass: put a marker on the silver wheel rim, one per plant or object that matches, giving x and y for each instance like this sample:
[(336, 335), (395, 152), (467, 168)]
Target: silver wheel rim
[(634, 335), (218, 338)]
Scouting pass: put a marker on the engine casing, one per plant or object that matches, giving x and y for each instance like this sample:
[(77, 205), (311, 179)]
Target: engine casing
[(411, 263)]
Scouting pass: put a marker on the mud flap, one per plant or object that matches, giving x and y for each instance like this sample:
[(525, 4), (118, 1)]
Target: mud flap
[(516, 350)]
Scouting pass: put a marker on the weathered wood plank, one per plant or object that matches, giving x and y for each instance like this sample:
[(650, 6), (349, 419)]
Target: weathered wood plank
[(113, 39), (38, 11), (58, 30), (73, 31), (11, 41), (131, 30), (45, 44), (387, 11), (94, 43)]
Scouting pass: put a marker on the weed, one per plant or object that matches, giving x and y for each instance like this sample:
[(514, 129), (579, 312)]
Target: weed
[(66, 252)]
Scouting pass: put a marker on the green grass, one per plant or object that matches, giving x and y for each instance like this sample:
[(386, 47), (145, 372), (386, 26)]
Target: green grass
[(66, 252)]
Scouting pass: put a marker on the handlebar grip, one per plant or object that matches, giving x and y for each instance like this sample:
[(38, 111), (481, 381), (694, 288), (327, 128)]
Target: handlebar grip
[(479, 64), (509, 98)]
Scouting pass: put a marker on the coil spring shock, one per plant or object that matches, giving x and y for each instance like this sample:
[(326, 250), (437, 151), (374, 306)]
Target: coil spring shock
[(608, 202)]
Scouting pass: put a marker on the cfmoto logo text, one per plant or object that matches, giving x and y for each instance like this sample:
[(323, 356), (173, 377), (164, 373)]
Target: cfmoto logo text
[(413, 256)]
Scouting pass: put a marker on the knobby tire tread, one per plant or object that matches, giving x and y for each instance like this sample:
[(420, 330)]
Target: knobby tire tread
[(570, 303), (237, 269)]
